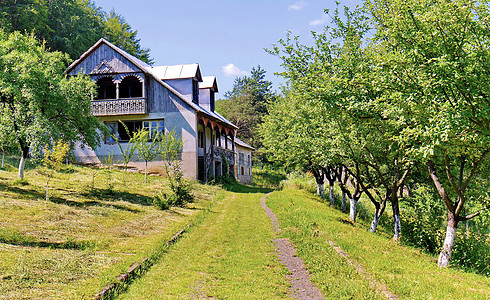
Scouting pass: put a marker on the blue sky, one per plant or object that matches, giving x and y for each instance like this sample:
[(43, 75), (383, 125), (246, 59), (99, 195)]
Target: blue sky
[(226, 37)]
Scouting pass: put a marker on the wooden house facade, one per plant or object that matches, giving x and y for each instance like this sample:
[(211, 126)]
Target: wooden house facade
[(158, 99)]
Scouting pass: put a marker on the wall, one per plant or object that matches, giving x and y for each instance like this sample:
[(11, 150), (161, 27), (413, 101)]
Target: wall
[(247, 177)]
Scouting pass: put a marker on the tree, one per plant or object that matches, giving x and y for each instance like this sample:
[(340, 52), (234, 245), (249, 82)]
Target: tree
[(120, 34), (70, 26), (436, 57), (128, 151), (53, 160), (246, 105), (147, 146), (170, 148), (39, 102)]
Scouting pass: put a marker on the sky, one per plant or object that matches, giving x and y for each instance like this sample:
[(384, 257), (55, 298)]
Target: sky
[(226, 38)]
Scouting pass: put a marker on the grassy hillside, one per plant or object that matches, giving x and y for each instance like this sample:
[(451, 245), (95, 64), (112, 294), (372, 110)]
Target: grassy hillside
[(79, 240), (407, 272)]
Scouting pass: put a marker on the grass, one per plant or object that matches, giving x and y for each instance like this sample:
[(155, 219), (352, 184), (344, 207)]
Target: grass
[(267, 177), (229, 256), (407, 272), (79, 240)]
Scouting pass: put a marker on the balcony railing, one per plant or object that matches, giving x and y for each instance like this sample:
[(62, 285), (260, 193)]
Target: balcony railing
[(119, 107)]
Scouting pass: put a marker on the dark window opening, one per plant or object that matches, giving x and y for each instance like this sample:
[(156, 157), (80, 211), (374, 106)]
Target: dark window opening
[(117, 129), (211, 100), (106, 88), (200, 139), (130, 87), (195, 91)]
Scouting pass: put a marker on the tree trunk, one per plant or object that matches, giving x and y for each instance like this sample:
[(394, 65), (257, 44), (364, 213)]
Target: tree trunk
[(3, 158), (47, 185), (320, 190), (396, 219), (353, 209), (332, 196), (344, 201), (378, 213), (146, 169), (22, 163), (447, 248)]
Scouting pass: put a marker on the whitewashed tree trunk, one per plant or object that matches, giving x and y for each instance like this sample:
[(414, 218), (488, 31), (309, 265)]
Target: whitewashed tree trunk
[(447, 248), (344, 201), (375, 222), (320, 190), (146, 169), (353, 209), (22, 165), (332, 196), (396, 220), (378, 213), (3, 158)]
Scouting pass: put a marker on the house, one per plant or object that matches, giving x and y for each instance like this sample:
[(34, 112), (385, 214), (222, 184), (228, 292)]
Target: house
[(243, 162), (158, 99)]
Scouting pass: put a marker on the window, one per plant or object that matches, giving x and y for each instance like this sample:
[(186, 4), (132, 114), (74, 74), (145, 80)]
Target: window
[(200, 139), (217, 138), (119, 130), (106, 89), (130, 87), (195, 91), (241, 158), (248, 161), (155, 127), (112, 126)]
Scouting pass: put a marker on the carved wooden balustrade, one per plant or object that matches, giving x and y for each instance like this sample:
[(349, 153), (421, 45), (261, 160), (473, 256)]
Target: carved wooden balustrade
[(119, 107)]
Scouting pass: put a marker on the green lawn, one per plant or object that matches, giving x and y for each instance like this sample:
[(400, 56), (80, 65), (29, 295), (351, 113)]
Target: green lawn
[(229, 256), (78, 241), (407, 272)]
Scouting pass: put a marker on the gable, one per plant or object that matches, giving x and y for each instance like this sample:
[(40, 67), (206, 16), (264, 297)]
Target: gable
[(104, 60)]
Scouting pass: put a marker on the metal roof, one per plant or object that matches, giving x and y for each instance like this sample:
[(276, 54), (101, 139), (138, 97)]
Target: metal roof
[(177, 72), (241, 143), (209, 82)]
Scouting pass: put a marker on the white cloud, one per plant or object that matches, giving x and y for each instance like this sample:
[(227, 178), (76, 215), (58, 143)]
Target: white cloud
[(232, 70), (318, 22), (298, 5)]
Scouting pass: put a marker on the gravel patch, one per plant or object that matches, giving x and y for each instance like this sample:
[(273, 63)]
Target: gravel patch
[(301, 287)]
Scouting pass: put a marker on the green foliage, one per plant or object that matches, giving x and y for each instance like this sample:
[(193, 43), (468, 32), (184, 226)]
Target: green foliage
[(128, 151), (147, 147), (53, 160), (423, 220), (70, 26), (170, 147), (38, 102), (118, 32), (267, 177), (246, 105), (414, 93)]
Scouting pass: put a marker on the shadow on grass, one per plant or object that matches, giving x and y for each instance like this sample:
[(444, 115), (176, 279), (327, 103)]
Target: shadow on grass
[(26, 242), (113, 195), (20, 191), (245, 189), (91, 203)]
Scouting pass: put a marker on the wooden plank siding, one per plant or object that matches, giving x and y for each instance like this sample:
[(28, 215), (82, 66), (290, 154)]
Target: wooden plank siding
[(104, 53)]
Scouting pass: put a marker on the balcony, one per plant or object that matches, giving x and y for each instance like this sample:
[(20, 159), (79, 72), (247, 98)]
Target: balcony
[(119, 107), (219, 152)]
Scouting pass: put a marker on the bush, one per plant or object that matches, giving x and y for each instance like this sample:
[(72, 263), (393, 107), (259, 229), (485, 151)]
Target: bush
[(298, 180), (267, 177), (423, 220), (472, 252)]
